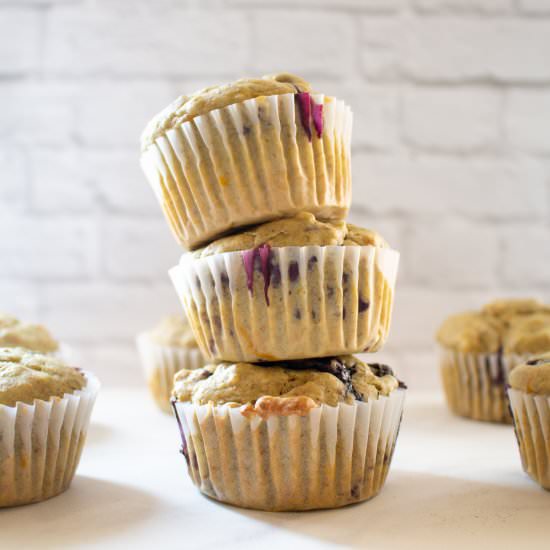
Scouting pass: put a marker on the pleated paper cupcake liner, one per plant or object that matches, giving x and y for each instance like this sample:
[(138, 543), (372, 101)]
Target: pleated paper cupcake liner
[(331, 457), (475, 383), (249, 163), (532, 424), (41, 444), (161, 363), (288, 303)]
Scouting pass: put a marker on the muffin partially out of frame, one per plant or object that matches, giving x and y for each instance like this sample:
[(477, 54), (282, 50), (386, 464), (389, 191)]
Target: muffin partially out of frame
[(480, 348), (168, 348), (248, 152), (45, 409), (297, 435), (530, 404), (289, 289)]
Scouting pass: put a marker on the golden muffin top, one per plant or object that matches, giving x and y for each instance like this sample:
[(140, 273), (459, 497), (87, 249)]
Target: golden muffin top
[(16, 333), (513, 326), (175, 331), (26, 376), (532, 376), (301, 230), (266, 388), (187, 107)]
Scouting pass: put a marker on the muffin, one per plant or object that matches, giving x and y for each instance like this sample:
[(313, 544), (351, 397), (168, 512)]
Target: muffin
[(166, 349), (530, 404), (296, 435), (16, 333), (45, 409), (289, 289), (479, 348), (247, 152)]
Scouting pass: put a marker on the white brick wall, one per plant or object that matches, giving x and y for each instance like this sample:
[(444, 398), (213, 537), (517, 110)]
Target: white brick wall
[(451, 144)]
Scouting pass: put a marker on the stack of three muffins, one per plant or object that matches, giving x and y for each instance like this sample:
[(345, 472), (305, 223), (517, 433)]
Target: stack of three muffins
[(254, 178)]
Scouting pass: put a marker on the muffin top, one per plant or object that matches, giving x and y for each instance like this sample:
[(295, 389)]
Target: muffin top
[(26, 376), (513, 326), (175, 331), (300, 230), (290, 387), (187, 107), (533, 376), (15, 333)]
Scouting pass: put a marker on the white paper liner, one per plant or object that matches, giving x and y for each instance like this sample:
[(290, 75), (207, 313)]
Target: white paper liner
[(331, 457), (323, 301), (161, 363), (475, 383), (41, 444), (248, 163), (532, 424)]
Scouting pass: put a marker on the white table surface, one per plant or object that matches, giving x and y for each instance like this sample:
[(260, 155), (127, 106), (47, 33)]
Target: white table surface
[(453, 484)]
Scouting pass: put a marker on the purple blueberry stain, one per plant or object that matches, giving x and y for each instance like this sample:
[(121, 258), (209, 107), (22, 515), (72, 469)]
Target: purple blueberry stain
[(362, 305), (183, 450), (263, 252), (248, 261), (304, 106), (293, 271), (265, 256), (275, 276), (224, 279), (317, 114), (310, 112), (311, 263)]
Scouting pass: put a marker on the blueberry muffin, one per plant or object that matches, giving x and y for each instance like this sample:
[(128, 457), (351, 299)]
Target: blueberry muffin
[(479, 348), (45, 409), (247, 152), (168, 348), (289, 289), (293, 435), (16, 333), (530, 404)]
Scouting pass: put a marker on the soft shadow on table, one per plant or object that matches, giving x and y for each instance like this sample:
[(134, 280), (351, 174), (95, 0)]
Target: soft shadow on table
[(414, 508), (90, 511)]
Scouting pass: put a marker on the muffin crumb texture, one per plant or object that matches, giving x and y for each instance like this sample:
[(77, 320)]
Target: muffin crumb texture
[(26, 376), (16, 333), (187, 107), (304, 229), (533, 376), (512, 326), (290, 387)]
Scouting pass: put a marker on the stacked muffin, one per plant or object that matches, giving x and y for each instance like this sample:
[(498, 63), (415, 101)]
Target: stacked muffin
[(254, 178), (480, 348)]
